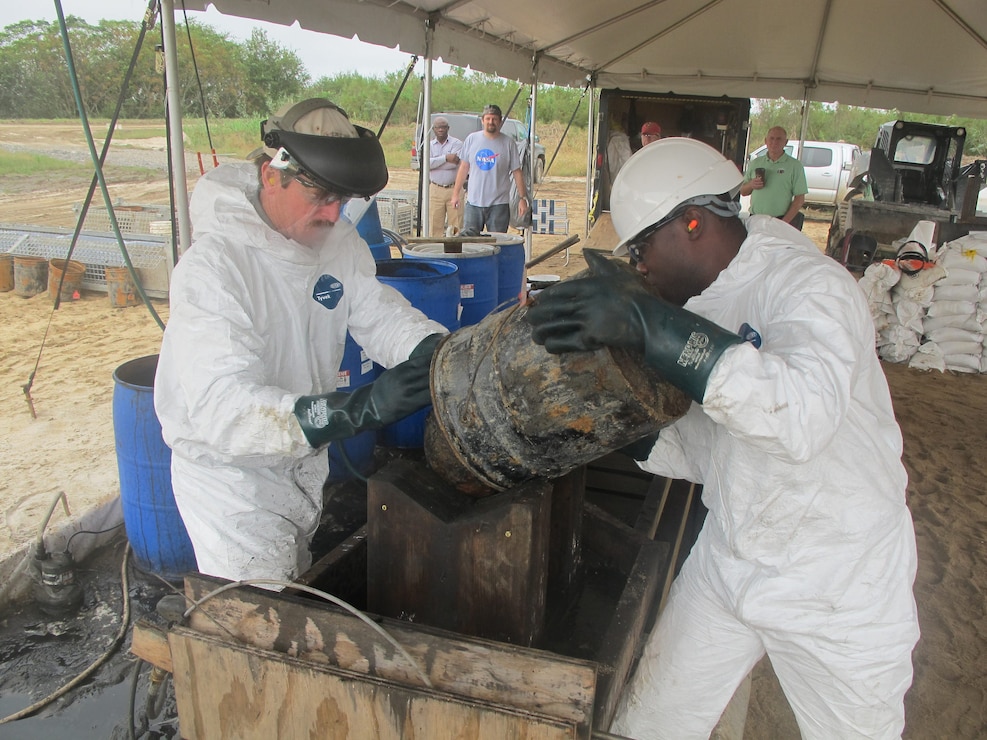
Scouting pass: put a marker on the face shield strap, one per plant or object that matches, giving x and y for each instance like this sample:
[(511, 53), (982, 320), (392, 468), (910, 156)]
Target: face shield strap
[(339, 164)]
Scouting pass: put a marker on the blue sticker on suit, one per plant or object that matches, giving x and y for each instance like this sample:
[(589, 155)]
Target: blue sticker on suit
[(328, 291), (750, 334)]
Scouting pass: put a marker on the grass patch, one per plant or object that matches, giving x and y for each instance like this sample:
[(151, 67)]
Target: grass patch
[(239, 136), (27, 163)]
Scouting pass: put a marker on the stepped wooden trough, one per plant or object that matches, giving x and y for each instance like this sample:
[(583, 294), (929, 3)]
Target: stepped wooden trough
[(517, 616)]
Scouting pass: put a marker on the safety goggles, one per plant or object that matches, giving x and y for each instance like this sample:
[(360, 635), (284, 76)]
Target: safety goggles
[(320, 196), (637, 245), (725, 205)]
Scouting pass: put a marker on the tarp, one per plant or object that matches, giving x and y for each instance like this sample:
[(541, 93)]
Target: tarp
[(919, 56)]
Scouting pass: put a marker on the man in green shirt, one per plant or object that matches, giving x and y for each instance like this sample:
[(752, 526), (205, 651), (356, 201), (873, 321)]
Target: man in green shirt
[(776, 181)]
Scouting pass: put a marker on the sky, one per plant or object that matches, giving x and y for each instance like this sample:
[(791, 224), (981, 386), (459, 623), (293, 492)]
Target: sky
[(322, 54)]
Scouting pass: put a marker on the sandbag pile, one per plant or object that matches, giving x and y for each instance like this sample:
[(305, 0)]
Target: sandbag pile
[(934, 319)]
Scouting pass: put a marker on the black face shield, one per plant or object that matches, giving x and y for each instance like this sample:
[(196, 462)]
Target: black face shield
[(352, 166)]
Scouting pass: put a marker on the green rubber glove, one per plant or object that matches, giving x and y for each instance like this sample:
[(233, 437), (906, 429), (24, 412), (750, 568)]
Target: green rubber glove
[(613, 308), (395, 394)]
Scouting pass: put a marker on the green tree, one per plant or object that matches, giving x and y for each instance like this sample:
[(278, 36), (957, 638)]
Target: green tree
[(273, 73)]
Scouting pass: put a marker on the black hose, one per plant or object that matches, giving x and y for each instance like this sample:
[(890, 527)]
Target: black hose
[(567, 127), (134, 680), (397, 95)]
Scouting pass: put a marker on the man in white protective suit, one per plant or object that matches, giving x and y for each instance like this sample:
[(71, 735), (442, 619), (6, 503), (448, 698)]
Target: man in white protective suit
[(260, 305), (808, 552)]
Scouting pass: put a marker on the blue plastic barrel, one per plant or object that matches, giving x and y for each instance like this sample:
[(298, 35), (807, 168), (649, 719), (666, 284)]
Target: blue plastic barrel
[(370, 229), (432, 286), (154, 527), (355, 370), (478, 276), (510, 268)]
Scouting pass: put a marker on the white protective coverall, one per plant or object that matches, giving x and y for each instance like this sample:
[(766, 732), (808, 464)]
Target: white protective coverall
[(245, 338), (808, 550)]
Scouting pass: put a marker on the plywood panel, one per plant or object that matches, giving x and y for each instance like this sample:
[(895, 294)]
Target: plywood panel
[(225, 690), (473, 668)]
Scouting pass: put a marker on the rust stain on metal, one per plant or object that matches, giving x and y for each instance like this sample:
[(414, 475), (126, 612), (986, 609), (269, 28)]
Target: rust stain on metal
[(582, 424)]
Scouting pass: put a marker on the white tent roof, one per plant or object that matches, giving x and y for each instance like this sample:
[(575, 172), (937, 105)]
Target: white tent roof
[(920, 56)]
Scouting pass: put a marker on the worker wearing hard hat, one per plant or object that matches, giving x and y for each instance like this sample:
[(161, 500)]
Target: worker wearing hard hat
[(808, 551), (260, 307)]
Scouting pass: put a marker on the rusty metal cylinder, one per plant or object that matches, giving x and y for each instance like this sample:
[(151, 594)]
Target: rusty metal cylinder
[(505, 411)]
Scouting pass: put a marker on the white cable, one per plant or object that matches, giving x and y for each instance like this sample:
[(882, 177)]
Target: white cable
[(322, 594)]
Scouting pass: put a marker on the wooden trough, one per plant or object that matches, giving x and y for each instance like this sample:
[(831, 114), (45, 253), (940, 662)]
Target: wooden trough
[(250, 663)]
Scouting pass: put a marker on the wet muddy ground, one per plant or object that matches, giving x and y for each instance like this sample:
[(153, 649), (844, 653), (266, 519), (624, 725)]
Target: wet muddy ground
[(40, 653)]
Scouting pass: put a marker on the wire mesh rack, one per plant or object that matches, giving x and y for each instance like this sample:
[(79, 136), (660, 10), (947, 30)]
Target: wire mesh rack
[(97, 251)]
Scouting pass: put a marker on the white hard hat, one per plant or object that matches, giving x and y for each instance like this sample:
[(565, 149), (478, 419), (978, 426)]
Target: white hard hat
[(662, 176)]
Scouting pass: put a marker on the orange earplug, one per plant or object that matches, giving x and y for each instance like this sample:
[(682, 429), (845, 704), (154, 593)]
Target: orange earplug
[(692, 225)]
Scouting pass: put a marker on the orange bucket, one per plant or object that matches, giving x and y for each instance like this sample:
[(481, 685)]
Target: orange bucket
[(72, 282), (120, 287), (6, 273)]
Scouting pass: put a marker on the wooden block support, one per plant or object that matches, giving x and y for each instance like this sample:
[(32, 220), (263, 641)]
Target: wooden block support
[(565, 557), (475, 566)]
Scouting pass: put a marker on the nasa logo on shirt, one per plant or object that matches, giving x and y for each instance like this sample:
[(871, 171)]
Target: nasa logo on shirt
[(486, 159), (328, 290)]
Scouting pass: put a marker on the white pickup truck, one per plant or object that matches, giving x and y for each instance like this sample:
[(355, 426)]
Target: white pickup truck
[(827, 168)]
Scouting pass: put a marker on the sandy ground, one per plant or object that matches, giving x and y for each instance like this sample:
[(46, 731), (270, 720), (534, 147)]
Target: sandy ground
[(68, 358)]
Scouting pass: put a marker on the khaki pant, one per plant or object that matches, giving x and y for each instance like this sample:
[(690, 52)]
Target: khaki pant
[(440, 211)]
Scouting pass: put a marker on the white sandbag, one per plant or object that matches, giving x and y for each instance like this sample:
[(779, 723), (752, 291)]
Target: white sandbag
[(885, 276), (928, 357), (923, 278), (975, 240), (956, 293), (951, 334), (963, 363), (965, 259), (910, 314), (961, 276), (968, 322), (949, 349), (920, 294), (952, 308), (898, 345)]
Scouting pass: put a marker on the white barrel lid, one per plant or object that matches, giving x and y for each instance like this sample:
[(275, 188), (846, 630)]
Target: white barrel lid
[(438, 251)]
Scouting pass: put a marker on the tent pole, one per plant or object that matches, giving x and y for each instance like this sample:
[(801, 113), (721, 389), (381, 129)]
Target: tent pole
[(590, 139), (179, 182), (425, 153), (532, 126), (425, 156), (804, 123)]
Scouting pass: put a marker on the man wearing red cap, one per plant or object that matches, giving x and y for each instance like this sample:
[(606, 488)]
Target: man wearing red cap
[(650, 132)]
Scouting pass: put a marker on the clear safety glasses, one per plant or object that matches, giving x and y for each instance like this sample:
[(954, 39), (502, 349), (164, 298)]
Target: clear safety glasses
[(319, 196)]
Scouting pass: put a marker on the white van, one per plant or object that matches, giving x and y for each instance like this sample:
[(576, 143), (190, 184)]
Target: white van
[(827, 168)]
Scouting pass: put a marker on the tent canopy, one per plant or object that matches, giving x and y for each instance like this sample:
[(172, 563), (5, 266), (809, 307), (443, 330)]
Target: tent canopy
[(919, 56)]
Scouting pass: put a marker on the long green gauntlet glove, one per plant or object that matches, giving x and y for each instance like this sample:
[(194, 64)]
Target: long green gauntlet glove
[(613, 308), (396, 393)]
